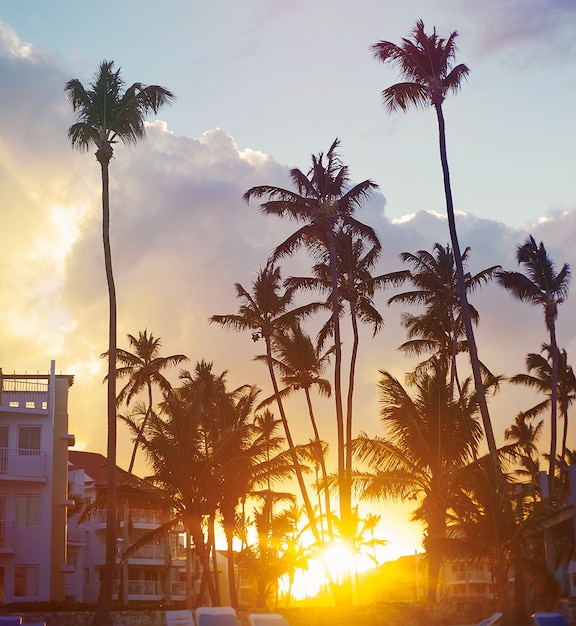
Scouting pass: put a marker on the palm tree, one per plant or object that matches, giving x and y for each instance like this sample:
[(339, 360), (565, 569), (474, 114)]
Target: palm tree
[(427, 64), (143, 367), (523, 437), (322, 201), (301, 364), (265, 313), (356, 288), (440, 328), (105, 114), (539, 378), (428, 439), (542, 286)]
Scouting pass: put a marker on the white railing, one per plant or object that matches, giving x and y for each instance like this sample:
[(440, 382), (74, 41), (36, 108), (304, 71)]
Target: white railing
[(22, 463), (152, 551), (76, 535), (6, 533), (144, 516), (144, 587)]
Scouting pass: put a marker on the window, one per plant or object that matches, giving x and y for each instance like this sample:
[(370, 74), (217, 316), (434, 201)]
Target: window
[(29, 440), (25, 581), (27, 510)]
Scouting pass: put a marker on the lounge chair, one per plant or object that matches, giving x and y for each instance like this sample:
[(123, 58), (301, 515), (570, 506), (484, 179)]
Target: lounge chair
[(182, 617), (549, 619), (216, 616), (10, 620), (266, 619), (490, 620)]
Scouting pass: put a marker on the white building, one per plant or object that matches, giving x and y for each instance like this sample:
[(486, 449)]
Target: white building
[(142, 577), (34, 442)]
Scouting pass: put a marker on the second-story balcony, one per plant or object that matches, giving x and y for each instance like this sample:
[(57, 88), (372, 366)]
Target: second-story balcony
[(22, 464), (6, 536)]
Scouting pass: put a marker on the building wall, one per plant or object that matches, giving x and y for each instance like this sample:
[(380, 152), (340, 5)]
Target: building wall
[(33, 472)]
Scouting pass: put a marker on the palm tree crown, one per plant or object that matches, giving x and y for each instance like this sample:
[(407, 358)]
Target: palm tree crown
[(426, 62), (106, 114), (323, 201)]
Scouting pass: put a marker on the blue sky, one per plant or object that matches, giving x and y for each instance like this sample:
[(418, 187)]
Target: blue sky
[(260, 86), (287, 77)]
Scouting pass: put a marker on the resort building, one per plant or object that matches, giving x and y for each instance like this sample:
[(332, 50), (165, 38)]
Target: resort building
[(144, 575), (34, 501)]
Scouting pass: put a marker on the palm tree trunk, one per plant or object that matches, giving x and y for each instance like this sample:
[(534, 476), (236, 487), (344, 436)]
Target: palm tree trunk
[(343, 488), (553, 398), (352, 373), (322, 464), (292, 449), (472, 349), (141, 430), (103, 616)]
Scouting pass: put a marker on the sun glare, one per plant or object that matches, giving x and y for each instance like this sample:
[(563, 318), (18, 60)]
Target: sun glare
[(335, 562)]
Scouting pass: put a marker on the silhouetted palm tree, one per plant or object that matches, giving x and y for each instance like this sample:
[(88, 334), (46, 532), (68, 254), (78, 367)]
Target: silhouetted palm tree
[(428, 439), (322, 202), (539, 378), (266, 312), (143, 368), (427, 64), (523, 438), (357, 287), (440, 328), (105, 114), (301, 364), (542, 286)]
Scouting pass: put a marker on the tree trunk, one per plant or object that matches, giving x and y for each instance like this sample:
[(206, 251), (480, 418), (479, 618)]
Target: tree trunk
[(343, 488), (350, 397), (322, 465), (102, 616), (553, 399), (292, 449), (472, 349)]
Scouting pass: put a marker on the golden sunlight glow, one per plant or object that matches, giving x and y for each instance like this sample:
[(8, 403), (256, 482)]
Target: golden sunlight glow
[(336, 561)]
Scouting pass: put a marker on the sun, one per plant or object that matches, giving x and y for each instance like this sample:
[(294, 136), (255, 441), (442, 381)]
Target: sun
[(339, 561), (334, 563)]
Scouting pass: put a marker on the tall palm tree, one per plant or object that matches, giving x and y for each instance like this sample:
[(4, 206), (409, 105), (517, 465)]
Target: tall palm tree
[(426, 62), (322, 201), (542, 286), (356, 289), (266, 312), (428, 439), (440, 328), (105, 114), (143, 367), (301, 364), (539, 378)]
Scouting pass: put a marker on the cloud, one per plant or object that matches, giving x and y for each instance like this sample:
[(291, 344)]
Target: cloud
[(181, 237)]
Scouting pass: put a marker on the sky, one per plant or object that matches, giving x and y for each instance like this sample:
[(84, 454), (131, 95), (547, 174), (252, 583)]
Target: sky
[(261, 86)]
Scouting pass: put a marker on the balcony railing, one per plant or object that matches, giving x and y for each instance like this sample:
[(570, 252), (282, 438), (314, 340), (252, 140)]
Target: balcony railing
[(153, 588), (22, 464), (24, 393), (6, 534), (144, 516)]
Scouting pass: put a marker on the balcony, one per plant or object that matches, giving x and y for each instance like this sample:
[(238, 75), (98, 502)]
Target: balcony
[(77, 536), (23, 464), (6, 537), (151, 590), (24, 393)]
